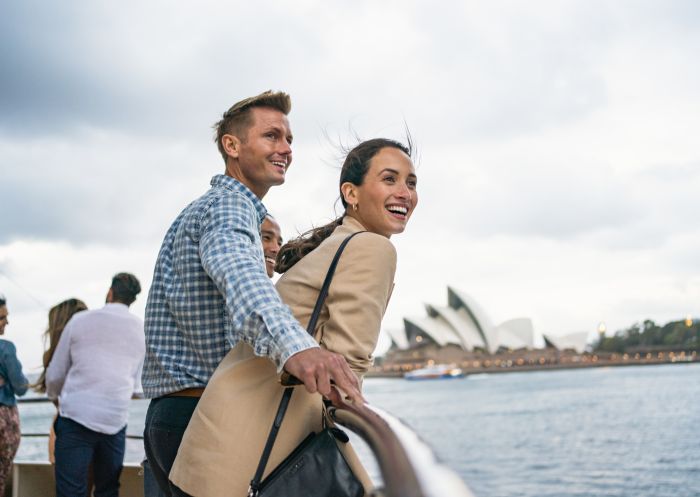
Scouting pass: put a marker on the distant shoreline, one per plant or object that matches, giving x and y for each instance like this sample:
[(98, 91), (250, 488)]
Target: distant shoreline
[(506, 364)]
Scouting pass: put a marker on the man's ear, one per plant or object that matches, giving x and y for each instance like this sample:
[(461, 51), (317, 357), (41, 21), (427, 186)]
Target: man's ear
[(349, 192), (231, 145)]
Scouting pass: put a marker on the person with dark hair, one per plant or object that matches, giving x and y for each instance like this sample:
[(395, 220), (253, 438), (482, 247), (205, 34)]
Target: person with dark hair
[(59, 315), (210, 290), (93, 374), (223, 443), (12, 383), (125, 288), (271, 236)]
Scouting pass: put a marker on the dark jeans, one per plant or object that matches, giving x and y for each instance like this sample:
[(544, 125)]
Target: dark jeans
[(76, 448), (150, 485), (166, 421)]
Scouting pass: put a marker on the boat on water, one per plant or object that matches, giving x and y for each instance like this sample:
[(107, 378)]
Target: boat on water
[(435, 372)]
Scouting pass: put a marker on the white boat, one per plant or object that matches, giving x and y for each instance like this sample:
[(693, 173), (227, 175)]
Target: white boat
[(437, 371)]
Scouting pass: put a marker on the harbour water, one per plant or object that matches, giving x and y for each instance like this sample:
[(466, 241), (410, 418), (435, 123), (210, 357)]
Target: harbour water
[(618, 432)]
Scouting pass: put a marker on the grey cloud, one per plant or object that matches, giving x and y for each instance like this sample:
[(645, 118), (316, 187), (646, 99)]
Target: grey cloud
[(68, 66), (589, 203), (481, 72)]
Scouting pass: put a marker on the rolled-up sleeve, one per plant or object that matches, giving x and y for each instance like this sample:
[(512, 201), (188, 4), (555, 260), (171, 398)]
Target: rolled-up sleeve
[(230, 251)]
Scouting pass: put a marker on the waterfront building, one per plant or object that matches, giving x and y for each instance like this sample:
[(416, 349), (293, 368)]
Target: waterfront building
[(464, 329)]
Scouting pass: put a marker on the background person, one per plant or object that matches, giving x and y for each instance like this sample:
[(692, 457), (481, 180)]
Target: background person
[(210, 289), (59, 315), (94, 372), (271, 236), (12, 382), (221, 448)]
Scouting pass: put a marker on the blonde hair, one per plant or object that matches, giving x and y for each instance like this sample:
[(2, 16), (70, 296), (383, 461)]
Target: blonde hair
[(59, 315)]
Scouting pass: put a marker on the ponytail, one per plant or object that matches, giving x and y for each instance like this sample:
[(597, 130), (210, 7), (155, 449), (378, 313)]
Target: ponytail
[(294, 250)]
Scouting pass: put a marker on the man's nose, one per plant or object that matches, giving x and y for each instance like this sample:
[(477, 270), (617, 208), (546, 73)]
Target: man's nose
[(285, 148)]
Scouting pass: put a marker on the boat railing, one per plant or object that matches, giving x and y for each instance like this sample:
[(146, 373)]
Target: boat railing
[(43, 400), (408, 466)]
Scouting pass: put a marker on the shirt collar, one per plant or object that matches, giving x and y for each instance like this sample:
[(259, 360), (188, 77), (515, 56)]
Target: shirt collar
[(117, 306), (224, 181)]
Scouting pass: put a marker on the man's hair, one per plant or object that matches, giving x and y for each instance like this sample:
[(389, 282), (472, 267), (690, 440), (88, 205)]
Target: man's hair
[(125, 288), (237, 119), (2, 300)]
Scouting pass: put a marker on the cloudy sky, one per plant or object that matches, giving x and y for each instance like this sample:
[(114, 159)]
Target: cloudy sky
[(559, 164)]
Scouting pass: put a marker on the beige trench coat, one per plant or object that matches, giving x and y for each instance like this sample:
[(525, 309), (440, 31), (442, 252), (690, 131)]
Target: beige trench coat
[(225, 437)]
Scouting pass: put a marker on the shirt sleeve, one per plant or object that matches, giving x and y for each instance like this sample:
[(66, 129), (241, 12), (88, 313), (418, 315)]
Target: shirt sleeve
[(59, 365), (231, 254), (15, 377), (138, 386)]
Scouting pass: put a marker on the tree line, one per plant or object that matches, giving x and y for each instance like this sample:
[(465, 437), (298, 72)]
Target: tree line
[(649, 335)]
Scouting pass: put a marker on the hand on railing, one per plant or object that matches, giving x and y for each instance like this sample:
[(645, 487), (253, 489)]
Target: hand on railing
[(335, 396)]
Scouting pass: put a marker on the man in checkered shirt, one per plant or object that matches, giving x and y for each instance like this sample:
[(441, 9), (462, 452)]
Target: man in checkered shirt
[(210, 289)]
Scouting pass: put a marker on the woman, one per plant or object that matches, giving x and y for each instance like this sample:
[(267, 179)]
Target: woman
[(224, 440), (59, 315), (12, 382)]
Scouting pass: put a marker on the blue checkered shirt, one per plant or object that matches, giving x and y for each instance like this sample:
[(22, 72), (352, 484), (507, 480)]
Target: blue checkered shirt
[(210, 290)]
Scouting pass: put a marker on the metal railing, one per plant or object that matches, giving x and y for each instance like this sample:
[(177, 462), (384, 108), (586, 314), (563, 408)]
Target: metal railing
[(407, 464)]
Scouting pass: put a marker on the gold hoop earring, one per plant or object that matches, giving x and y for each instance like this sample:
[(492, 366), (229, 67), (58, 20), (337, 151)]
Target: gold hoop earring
[(354, 207)]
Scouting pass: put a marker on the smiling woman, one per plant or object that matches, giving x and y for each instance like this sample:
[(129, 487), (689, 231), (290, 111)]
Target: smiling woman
[(234, 415)]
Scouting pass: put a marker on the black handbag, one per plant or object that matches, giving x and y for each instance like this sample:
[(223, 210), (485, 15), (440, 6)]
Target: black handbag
[(316, 467)]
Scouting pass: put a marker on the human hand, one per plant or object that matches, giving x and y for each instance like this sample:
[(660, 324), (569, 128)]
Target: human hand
[(317, 367)]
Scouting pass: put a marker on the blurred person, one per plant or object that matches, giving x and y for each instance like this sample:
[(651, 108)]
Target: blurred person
[(12, 383), (211, 290), (94, 372), (271, 236), (59, 315), (223, 443)]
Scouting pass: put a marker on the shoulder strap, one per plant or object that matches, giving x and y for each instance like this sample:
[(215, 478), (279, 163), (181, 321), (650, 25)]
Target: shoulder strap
[(287, 395)]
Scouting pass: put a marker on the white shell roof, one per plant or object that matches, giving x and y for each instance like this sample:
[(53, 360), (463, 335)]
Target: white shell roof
[(576, 341), (437, 329), (462, 324)]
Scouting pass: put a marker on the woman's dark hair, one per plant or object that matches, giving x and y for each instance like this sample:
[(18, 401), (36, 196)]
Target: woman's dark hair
[(354, 169), (125, 288)]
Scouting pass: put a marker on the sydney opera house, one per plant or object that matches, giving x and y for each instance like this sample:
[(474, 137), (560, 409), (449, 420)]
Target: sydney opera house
[(462, 329)]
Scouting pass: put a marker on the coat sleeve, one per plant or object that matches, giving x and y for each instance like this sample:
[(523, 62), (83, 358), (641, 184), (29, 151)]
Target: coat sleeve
[(357, 299)]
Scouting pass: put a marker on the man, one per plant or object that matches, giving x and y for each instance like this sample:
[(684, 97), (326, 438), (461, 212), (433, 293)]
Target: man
[(271, 236), (210, 289), (93, 374)]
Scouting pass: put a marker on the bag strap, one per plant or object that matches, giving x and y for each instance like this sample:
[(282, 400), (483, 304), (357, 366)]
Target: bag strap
[(287, 395)]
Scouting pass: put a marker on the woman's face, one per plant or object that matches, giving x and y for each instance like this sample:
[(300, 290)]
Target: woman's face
[(387, 196), (3, 319)]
